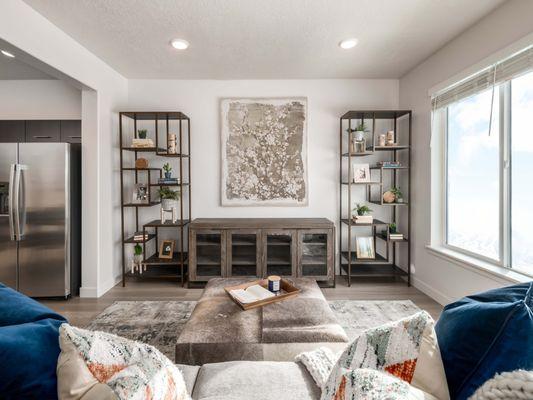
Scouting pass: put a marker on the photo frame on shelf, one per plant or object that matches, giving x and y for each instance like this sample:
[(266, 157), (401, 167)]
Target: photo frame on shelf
[(140, 194), (166, 250), (361, 173), (365, 247)]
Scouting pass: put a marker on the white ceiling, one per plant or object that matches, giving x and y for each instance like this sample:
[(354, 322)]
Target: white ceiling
[(13, 69), (258, 39)]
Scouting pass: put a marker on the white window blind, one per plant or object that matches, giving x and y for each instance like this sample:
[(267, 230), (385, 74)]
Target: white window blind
[(512, 67)]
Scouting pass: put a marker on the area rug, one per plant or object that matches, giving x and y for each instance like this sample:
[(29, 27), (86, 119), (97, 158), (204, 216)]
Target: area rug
[(159, 323)]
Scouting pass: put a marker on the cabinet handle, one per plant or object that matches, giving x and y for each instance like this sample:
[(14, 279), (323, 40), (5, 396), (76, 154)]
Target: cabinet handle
[(75, 137), (43, 137)]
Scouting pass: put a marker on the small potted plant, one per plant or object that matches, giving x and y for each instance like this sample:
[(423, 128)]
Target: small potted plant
[(137, 256), (169, 198), (141, 133), (392, 228), (168, 170), (358, 142), (362, 214)]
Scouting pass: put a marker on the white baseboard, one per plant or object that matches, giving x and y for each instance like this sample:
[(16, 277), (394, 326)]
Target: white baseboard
[(436, 295), (92, 292)]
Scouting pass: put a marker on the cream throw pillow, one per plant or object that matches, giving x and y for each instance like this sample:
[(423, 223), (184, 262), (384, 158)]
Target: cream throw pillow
[(98, 365), (406, 349)]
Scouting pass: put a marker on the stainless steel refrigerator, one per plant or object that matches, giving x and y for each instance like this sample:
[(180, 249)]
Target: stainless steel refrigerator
[(36, 206)]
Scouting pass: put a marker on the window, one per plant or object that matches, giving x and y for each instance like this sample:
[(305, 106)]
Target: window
[(488, 206)]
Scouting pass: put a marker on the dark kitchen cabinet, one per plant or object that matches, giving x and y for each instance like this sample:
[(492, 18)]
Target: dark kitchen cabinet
[(70, 131), (12, 131), (43, 131)]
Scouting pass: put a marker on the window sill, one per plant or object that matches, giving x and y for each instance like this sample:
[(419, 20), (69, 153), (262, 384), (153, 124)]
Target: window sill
[(504, 275)]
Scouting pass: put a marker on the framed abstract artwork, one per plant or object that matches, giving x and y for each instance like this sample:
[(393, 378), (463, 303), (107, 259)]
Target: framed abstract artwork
[(264, 152)]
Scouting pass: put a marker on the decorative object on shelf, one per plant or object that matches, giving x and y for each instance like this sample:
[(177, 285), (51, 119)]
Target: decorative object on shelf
[(258, 133), (388, 197), (172, 144), (362, 214), (361, 173), (166, 250), (141, 133), (390, 138), (382, 140), (389, 164), (142, 143), (169, 203), (138, 237), (358, 141), (172, 181), (136, 263), (393, 232), (173, 215), (168, 170), (140, 194), (141, 163), (365, 247)]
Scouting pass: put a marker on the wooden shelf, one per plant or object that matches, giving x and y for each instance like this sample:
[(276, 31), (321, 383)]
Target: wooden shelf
[(389, 148), (130, 239), (380, 203), (376, 222), (385, 238), (153, 115), (375, 271), (391, 168), (175, 260), (141, 169), (362, 183), (168, 184), (377, 114), (152, 203), (378, 260), (156, 223), (366, 153), (159, 151)]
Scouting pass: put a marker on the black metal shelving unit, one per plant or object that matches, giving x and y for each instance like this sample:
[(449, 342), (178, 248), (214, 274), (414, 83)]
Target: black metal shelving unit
[(174, 268), (384, 265)]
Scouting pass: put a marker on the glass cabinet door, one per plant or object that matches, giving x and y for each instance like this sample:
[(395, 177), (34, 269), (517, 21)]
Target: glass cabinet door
[(279, 253), (313, 254), (243, 246), (208, 255)]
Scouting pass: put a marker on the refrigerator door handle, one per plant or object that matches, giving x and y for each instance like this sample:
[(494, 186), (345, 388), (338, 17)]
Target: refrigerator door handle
[(11, 208), (19, 199)]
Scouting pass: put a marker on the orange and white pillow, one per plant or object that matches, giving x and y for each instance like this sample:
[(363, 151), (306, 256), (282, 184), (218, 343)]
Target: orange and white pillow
[(98, 365)]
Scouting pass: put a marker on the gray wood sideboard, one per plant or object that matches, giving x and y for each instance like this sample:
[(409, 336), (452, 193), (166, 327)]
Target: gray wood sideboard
[(258, 247)]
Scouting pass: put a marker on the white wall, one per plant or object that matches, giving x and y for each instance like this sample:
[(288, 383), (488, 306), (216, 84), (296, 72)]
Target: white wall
[(39, 99), (327, 101), (442, 279), (105, 93)]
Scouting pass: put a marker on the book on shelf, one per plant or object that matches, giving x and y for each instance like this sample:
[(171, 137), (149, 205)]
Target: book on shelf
[(396, 236), (363, 219), (389, 164), (138, 237), (169, 180), (251, 294), (142, 143)]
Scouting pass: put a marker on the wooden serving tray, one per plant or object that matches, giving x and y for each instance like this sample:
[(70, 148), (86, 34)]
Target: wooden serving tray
[(288, 290)]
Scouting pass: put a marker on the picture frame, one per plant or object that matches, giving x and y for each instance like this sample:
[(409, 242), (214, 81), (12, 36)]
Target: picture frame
[(361, 173), (140, 194), (166, 249), (365, 248)]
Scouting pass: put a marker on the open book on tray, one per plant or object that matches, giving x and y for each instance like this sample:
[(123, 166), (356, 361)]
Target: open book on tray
[(251, 294)]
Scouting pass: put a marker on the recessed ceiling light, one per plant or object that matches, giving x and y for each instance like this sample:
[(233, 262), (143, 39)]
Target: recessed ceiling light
[(7, 54), (179, 44), (348, 43)]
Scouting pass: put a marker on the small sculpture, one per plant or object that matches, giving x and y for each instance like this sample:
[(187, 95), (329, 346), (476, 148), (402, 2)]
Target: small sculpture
[(172, 145)]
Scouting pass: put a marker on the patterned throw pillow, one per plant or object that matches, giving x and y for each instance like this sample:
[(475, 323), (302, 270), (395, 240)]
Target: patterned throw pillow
[(369, 384), (318, 363), (98, 365), (406, 349)]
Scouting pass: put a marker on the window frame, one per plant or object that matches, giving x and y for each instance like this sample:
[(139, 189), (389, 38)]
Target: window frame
[(504, 167)]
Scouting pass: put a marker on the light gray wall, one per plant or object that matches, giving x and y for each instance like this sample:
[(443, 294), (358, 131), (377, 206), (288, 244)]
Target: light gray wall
[(445, 280)]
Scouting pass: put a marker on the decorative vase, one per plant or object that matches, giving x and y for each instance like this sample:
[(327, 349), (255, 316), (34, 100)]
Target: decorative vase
[(382, 139), (168, 175), (389, 197)]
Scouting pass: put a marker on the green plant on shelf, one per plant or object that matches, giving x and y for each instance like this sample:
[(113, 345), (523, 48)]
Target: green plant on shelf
[(362, 209), (167, 167), (138, 249), (398, 195), (393, 228), (142, 133), (359, 128), (166, 193)]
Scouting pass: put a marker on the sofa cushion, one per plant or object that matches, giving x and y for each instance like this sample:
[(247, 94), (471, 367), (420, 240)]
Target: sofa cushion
[(257, 380), (16, 308), (406, 348), (485, 334), (130, 369), (190, 373), (28, 355)]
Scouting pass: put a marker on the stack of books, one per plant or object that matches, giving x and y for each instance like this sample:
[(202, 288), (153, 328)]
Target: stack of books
[(389, 164), (396, 236), (138, 237), (175, 181), (363, 219), (142, 143)]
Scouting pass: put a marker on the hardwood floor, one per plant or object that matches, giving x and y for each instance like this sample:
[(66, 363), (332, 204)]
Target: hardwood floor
[(81, 311)]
